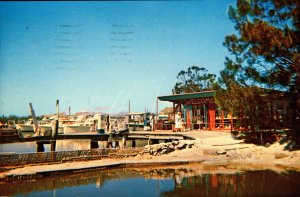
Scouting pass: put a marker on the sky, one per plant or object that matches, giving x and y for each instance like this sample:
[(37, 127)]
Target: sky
[(98, 55)]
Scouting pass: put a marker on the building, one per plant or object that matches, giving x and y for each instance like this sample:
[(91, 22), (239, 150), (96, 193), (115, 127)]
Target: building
[(201, 112), (198, 109)]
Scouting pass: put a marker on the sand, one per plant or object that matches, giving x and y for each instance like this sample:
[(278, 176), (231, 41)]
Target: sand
[(211, 148)]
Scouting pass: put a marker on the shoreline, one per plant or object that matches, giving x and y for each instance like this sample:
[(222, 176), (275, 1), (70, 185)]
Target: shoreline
[(210, 149), (46, 170)]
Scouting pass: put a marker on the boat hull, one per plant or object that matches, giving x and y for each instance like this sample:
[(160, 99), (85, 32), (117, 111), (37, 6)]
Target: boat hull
[(23, 127), (49, 128)]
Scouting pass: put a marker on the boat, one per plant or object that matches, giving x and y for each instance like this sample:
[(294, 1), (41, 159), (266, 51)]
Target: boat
[(87, 123), (27, 126), (139, 121), (46, 124), (82, 124)]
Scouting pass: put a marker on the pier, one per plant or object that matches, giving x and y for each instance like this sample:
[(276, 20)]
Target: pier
[(117, 136), (93, 153)]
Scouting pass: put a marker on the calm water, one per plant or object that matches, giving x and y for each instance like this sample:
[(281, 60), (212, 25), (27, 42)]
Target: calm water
[(185, 180), (61, 145)]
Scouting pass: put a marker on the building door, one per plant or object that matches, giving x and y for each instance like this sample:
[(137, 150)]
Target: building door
[(188, 116)]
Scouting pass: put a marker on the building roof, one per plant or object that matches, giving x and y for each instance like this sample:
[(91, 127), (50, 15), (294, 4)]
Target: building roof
[(177, 97)]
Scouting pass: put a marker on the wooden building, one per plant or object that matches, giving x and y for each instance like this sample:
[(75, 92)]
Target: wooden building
[(200, 111)]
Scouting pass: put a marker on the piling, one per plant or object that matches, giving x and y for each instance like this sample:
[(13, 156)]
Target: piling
[(124, 141), (40, 147), (55, 125), (53, 145), (133, 143), (94, 144)]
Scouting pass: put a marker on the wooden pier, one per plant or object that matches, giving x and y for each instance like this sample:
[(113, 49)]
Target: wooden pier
[(158, 136), (104, 137), (108, 139), (94, 152), (96, 137)]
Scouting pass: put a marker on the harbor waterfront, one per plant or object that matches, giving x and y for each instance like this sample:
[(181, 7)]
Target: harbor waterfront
[(208, 148), (148, 98)]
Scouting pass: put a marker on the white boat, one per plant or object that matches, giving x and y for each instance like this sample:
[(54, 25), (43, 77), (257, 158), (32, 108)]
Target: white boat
[(82, 124), (47, 123), (85, 123), (76, 128), (27, 126)]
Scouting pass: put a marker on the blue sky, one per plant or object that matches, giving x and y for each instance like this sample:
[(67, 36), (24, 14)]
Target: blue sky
[(93, 55)]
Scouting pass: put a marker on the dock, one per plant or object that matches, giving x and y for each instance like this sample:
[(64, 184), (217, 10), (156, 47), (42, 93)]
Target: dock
[(94, 152), (132, 135), (152, 135)]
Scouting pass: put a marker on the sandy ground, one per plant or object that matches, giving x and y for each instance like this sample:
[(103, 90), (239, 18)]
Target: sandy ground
[(211, 148)]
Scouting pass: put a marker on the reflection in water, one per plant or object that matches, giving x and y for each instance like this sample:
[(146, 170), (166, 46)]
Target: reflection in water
[(253, 183), (184, 180), (30, 147)]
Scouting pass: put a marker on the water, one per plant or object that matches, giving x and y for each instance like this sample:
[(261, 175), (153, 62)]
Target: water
[(184, 180), (30, 147)]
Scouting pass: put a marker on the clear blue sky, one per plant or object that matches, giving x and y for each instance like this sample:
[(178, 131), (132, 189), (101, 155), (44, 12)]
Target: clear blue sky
[(101, 54)]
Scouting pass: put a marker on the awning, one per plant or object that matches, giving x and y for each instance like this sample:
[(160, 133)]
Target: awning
[(178, 97)]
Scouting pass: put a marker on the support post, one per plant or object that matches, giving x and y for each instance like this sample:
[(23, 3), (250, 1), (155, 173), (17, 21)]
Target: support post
[(53, 145), (55, 125), (133, 143), (94, 144), (124, 141), (40, 147)]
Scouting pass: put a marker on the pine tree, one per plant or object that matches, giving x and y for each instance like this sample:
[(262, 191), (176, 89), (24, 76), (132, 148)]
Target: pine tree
[(195, 79), (265, 54)]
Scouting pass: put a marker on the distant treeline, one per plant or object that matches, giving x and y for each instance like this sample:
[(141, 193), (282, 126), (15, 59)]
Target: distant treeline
[(16, 119)]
